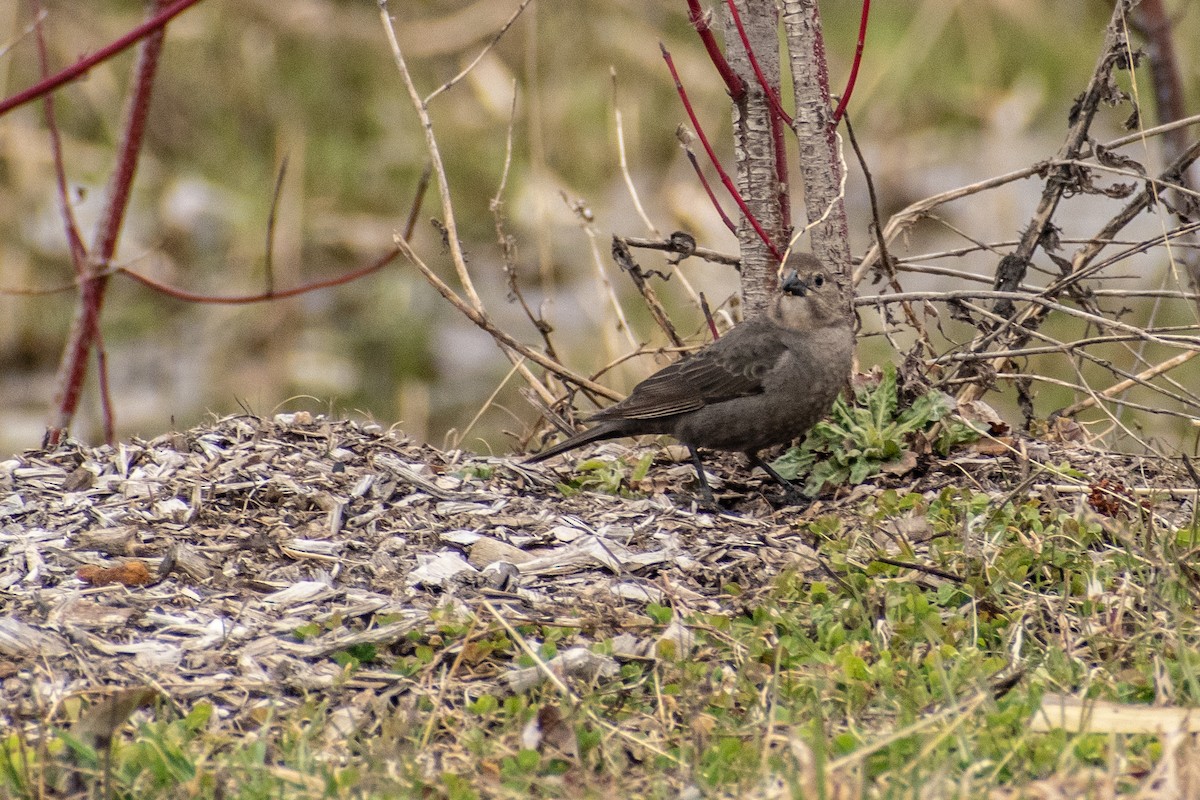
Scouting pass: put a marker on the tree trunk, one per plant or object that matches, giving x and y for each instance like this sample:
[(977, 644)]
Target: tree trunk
[(754, 149), (820, 160)]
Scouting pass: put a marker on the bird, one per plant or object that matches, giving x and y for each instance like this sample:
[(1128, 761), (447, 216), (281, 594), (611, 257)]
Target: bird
[(766, 382)]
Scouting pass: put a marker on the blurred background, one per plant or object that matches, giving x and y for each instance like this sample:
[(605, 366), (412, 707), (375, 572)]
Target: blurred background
[(949, 93)]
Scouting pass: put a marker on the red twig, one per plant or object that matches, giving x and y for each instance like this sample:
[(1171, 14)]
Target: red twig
[(725, 179), (862, 40), (699, 20), (772, 97), (106, 409), (708, 188), (180, 294), (154, 23), (86, 325), (708, 317)]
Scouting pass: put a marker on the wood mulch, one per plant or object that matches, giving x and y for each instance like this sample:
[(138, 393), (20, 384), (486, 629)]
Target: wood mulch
[(188, 563)]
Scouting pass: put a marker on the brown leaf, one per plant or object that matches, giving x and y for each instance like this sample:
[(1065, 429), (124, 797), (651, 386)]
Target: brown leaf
[(131, 573)]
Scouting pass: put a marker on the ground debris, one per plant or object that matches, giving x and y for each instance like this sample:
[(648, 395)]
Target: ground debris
[(276, 543)]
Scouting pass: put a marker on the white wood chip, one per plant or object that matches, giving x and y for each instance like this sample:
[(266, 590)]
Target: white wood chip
[(300, 592), (438, 569), (577, 662), (19, 639), (639, 592)]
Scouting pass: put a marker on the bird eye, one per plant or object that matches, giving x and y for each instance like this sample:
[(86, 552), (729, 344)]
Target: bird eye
[(818, 280)]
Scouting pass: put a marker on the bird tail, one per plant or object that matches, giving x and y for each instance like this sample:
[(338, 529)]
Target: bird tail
[(593, 434)]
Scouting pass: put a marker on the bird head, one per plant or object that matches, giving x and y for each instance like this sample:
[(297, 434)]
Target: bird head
[(809, 296)]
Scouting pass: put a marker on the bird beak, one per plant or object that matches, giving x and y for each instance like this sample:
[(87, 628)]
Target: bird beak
[(792, 284)]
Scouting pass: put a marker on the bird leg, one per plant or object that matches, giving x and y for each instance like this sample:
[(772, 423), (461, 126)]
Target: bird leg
[(706, 493), (791, 493)]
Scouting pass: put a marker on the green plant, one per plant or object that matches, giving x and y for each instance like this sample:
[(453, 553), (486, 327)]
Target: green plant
[(607, 476), (860, 437)]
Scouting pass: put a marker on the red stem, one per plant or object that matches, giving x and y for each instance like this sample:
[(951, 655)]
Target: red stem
[(708, 188), (86, 326), (106, 408), (862, 40), (180, 294), (708, 317), (772, 97), (155, 23), (735, 85), (712, 156)]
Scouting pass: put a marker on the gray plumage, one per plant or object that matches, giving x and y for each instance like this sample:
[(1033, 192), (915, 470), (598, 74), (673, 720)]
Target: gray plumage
[(764, 383)]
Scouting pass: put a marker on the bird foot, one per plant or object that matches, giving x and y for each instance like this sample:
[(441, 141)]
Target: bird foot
[(704, 499), (791, 495), (794, 497)]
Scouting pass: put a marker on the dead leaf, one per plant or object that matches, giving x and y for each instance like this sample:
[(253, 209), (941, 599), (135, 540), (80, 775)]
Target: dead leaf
[(131, 573), (980, 415)]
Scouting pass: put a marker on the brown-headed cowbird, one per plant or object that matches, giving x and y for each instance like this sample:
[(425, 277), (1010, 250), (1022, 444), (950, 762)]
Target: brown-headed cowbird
[(765, 382)]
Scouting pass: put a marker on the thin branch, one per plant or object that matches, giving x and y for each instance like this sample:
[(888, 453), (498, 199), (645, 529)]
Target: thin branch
[(1077, 387), (439, 168), (684, 135), (919, 210), (482, 321), (624, 259), (1015, 297), (508, 252), (49, 290), (673, 245), (708, 318), (269, 259), (858, 51), (1063, 348), (877, 227), (414, 211), (39, 16), (997, 363), (486, 49), (703, 25), (712, 156), (83, 65), (623, 161), (1140, 378), (191, 297), (1157, 130), (106, 407), (579, 209)]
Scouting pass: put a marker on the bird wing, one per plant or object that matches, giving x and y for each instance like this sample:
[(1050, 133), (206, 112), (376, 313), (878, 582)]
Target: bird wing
[(731, 367)]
